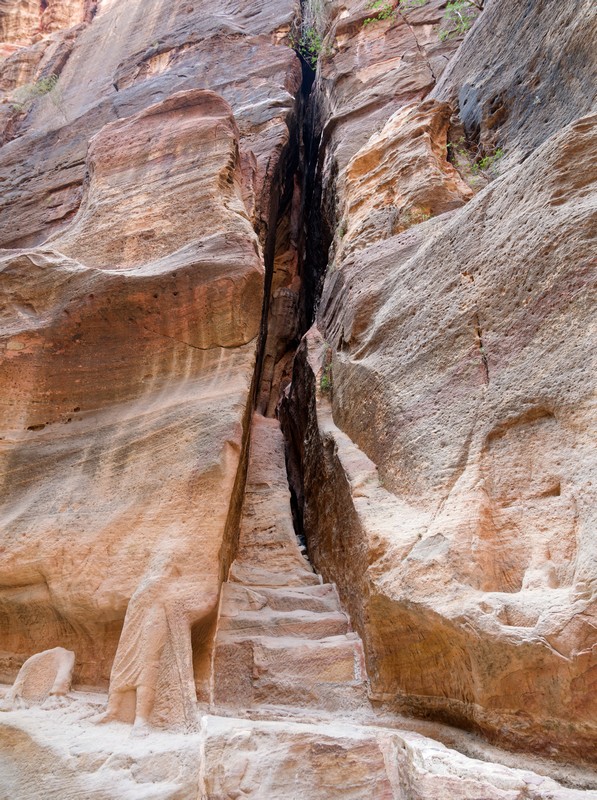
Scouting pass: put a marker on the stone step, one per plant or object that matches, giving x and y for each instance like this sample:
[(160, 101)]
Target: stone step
[(326, 674), (254, 575), (275, 556), (332, 659), (318, 597), (299, 623)]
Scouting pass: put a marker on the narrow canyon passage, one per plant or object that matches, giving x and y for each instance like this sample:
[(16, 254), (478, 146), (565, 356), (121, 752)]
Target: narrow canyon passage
[(295, 413), (283, 641)]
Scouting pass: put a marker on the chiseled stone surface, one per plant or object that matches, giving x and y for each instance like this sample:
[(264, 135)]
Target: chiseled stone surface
[(400, 177), (283, 641), (155, 50), (43, 676), (58, 754)]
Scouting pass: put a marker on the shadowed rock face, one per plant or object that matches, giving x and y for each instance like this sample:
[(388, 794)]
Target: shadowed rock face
[(447, 486)]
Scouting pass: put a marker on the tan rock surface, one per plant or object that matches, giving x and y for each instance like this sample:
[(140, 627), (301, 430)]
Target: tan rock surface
[(129, 341), (447, 489), (400, 177), (155, 50), (231, 757), (172, 204), (44, 675)]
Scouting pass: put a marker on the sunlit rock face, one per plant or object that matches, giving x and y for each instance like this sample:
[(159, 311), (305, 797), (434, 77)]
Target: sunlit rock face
[(159, 351), (441, 408), (186, 209), (140, 196)]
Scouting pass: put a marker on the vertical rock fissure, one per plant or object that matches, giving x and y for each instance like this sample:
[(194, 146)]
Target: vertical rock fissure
[(291, 280), (292, 294), (296, 242), (283, 643)]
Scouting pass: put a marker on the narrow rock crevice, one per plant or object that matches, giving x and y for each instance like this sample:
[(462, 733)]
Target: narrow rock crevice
[(295, 257), (283, 318), (484, 361), (289, 310)]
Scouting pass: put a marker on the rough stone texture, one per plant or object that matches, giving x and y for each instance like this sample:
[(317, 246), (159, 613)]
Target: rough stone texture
[(24, 21), (58, 755), (155, 51), (447, 489), (133, 353), (525, 72), (166, 221), (44, 675), (400, 177)]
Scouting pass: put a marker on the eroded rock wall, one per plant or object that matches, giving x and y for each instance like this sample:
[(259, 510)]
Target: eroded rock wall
[(168, 227), (140, 204), (441, 412)]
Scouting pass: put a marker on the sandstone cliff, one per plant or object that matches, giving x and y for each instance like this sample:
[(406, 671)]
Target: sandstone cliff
[(296, 398), (447, 470)]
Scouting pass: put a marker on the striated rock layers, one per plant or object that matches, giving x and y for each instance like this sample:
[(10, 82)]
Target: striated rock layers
[(176, 211), (136, 218), (442, 409)]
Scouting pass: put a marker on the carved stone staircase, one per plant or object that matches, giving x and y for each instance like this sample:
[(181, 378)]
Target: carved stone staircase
[(283, 641)]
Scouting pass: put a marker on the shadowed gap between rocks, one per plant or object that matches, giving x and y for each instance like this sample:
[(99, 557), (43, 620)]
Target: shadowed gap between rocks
[(296, 263)]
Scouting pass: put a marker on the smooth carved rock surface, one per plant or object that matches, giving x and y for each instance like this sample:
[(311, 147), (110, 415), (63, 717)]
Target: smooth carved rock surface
[(129, 340), (151, 177), (447, 489)]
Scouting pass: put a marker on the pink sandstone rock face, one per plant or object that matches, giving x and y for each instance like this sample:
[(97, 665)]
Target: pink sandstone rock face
[(441, 411), (129, 343), (295, 400)]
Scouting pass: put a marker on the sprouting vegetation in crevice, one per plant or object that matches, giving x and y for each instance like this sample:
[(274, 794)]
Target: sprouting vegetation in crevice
[(307, 38), (25, 96), (380, 10), (477, 162), (308, 45), (458, 18)]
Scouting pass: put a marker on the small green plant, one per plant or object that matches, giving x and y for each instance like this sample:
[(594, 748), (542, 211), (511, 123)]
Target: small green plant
[(45, 85), (308, 45), (384, 9), (472, 162), (342, 229), (485, 163), (407, 5), (25, 96), (459, 18), (325, 382), (413, 216), (457, 148)]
